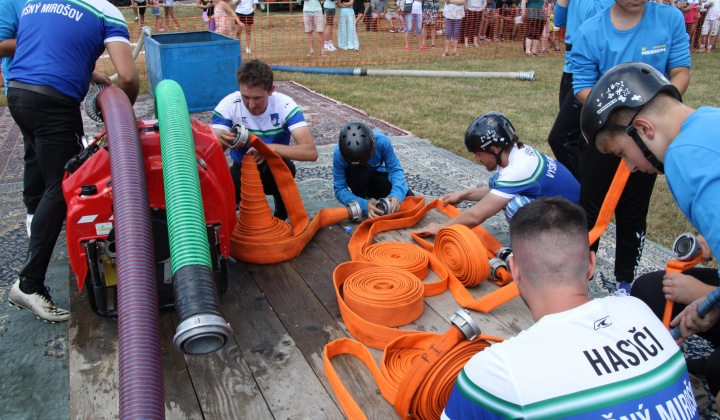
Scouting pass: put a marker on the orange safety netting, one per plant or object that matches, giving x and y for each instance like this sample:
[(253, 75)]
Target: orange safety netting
[(281, 39)]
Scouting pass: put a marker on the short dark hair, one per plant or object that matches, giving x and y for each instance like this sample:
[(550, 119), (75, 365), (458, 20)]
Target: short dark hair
[(547, 214), (255, 73), (549, 239)]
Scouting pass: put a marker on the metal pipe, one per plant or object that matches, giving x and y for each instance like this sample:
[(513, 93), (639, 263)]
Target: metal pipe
[(518, 75), (146, 30)]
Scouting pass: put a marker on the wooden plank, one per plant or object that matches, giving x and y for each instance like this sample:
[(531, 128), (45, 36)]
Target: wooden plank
[(94, 374), (290, 387), (180, 399), (93, 360), (310, 324), (224, 384)]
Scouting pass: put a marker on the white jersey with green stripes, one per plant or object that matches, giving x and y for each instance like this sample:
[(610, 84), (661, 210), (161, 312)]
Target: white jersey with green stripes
[(610, 358)]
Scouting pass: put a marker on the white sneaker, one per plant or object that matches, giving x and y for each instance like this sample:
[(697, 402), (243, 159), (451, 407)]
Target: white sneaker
[(326, 47), (38, 303), (247, 50), (332, 47), (28, 223)]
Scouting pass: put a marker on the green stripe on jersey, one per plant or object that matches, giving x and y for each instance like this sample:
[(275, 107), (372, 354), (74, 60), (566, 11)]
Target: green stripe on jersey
[(90, 9), (539, 170), (578, 402)]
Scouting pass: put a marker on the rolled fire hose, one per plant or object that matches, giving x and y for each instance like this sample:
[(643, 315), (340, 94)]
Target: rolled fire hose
[(259, 237), (512, 75), (139, 355), (418, 382), (410, 213), (202, 328)]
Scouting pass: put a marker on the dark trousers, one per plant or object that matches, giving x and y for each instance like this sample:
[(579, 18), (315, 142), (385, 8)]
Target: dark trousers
[(596, 173), (52, 128), (33, 182), (565, 136), (268, 181), (366, 183), (648, 288)]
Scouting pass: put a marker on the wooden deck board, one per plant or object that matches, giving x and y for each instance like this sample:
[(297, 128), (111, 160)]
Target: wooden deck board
[(282, 316)]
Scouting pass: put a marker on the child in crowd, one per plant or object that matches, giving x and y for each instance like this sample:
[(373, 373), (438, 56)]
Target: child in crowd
[(159, 19)]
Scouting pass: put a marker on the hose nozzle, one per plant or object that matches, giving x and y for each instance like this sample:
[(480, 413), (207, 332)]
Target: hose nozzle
[(686, 247), (242, 135)]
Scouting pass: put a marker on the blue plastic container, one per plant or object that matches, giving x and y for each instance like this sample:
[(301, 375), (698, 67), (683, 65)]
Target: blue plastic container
[(202, 63)]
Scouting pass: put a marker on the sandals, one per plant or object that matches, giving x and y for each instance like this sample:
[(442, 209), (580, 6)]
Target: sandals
[(456, 54), (445, 54)]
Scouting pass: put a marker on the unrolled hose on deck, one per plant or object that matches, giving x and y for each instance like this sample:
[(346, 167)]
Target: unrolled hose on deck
[(140, 358), (512, 75), (202, 328)]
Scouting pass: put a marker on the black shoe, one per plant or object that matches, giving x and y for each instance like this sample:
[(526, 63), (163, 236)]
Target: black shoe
[(280, 211)]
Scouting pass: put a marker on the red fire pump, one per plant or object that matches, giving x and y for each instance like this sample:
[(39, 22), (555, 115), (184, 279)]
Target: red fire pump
[(90, 236)]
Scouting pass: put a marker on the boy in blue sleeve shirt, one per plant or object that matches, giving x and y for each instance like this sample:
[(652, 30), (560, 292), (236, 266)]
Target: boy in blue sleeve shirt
[(365, 165), (653, 131)]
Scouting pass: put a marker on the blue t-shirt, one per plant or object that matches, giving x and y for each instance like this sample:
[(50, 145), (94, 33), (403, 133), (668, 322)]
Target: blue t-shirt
[(572, 17), (533, 174), (659, 39), (9, 17), (384, 160), (693, 175), (59, 42)]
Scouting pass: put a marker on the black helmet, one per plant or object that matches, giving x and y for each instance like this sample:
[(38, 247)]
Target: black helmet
[(630, 85), (489, 129), (357, 143)]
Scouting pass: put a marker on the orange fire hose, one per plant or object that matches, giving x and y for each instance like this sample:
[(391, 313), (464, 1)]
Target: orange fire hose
[(410, 213), (406, 386), (677, 266), (417, 374), (259, 237)]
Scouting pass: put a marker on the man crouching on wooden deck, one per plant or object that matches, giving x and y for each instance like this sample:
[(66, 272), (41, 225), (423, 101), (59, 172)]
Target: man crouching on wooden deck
[(583, 358)]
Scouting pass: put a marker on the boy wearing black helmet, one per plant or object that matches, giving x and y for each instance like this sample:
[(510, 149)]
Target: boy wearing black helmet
[(524, 174), (365, 165), (653, 131)]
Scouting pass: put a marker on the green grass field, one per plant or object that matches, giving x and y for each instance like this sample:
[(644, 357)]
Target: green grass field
[(440, 110)]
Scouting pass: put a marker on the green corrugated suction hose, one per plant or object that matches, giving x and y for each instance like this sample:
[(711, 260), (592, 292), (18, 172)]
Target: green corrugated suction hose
[(202, 328), (186, 218)]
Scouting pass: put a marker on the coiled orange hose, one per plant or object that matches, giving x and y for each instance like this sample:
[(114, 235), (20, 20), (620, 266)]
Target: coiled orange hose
[(259, 237)]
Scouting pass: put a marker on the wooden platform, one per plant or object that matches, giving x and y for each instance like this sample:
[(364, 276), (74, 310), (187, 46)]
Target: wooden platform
[(282, 316)]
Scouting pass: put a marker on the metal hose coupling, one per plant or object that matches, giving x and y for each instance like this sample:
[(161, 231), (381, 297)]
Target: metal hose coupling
[(686, 247), (92, 110), (462, 320), (354, 211), (242, 136), (202, 334), (504, 253), (385, 206), (495, 265)]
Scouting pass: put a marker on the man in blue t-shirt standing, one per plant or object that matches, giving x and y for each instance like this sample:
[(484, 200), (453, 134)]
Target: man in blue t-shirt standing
[(629, 30), (32, 178), (58, 43)]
